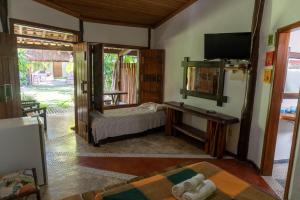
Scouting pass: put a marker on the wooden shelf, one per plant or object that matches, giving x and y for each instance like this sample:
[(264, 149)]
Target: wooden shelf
[(191, 131), (203, 113)]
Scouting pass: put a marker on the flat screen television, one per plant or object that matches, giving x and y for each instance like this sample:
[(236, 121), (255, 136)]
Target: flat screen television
[(227, 46)]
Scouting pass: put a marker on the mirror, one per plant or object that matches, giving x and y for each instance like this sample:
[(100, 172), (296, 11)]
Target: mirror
[(202, 79)]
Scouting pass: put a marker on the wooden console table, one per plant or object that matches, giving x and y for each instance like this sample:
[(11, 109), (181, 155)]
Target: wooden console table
[(215, 135)]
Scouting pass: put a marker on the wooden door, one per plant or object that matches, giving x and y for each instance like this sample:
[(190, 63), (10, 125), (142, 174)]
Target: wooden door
[(82, 89), (10, 106), (57, 70), (151, 75), (280, 71), (97, 66)]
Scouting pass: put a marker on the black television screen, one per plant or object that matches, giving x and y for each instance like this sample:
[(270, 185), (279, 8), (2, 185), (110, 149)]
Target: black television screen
[(227, 46)]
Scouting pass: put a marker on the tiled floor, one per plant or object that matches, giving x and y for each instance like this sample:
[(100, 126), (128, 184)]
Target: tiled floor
[(74, 167), (278, 180), (63, 150)]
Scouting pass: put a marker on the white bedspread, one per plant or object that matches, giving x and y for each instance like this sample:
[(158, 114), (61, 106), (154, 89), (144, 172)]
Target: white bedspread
[(126, 121)]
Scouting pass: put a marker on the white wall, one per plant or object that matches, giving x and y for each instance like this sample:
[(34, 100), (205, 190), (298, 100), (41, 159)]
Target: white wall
[(183, 36), (277, 14), (29, 10), (115, 34), (295, 41), (32, 11)]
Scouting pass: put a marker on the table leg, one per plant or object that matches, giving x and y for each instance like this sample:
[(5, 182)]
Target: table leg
[(221, 145), (113, 99), (168, 128), (216, 142)]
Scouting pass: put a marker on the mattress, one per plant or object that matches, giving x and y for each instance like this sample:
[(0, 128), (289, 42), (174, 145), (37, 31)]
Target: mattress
[(125, 121)]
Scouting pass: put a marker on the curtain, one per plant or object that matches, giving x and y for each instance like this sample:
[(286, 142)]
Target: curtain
[(129, 83)]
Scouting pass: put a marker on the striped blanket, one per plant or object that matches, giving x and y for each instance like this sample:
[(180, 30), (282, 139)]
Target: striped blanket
[(158, 187)]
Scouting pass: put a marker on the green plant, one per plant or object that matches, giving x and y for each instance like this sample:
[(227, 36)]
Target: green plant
[(40, 66), (25, 97), (44, 105), (70, 67), (130, 59), (23, 66), (109, 67), (64, 104)]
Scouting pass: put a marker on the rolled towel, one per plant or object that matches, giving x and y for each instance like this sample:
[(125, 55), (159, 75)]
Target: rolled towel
[(194, 182), (187, 185), (178, 190), (201, 193)]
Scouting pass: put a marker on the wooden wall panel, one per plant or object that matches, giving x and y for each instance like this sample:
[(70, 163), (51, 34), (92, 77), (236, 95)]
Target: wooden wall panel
[(9, 74), (57, 69), (152, 75), (97, 65), (82, 90)]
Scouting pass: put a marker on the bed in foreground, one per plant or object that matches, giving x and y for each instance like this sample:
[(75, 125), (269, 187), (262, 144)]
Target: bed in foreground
[(126, 121), (159, 186)]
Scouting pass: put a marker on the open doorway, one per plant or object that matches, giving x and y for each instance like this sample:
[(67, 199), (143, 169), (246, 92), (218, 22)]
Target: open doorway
[(46, 71), (281, 131), (121, 77), (47, 78)]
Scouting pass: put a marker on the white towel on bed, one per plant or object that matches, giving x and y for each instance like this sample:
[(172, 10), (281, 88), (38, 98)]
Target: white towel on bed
[(187, 185), (194, 182), (201, 192)]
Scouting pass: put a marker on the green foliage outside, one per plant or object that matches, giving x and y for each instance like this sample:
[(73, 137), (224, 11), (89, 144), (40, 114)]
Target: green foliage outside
[(130, 59), (23, 66), (70, 68), (109, 67), (40, 66)]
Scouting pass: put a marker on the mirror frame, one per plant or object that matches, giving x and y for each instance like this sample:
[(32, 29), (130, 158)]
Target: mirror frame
[(219, 97)]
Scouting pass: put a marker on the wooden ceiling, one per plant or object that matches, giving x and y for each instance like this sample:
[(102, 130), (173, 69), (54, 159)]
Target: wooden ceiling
[(139, 13)]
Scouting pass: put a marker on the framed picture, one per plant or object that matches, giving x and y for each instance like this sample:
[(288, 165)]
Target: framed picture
[(269, 58), (268, 76)]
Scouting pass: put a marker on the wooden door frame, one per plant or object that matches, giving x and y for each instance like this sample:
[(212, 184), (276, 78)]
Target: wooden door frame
[(271, 132), (125, 47)]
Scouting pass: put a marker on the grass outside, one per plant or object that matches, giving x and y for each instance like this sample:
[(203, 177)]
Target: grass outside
[(61, 96)]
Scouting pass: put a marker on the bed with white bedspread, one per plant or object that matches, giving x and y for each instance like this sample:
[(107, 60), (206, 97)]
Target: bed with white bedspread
[(126, 121)]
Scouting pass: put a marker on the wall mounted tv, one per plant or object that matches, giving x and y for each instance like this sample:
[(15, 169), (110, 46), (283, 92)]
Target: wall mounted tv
[(227, 46)]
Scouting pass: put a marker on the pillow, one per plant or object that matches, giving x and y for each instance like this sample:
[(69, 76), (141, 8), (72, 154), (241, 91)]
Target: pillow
[(152, 106), (160, 107)]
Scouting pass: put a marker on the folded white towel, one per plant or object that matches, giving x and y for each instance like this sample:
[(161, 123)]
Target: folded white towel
[(187, 185), (178, 190), (201, 193), (194, 182)]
